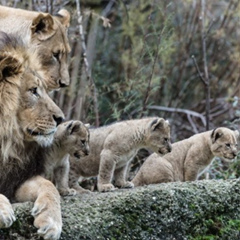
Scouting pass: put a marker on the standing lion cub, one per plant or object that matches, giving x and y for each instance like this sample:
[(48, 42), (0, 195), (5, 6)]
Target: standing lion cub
[(188, 157), (114, 146)]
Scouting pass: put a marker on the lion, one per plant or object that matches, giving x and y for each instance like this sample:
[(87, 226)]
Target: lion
[(70, 139), (28, 121), (47, 34), (188, 157), (114, 146)]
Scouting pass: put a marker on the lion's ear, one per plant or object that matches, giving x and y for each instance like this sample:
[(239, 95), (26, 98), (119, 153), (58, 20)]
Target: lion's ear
[(43, 26), (216, 134), (9, 66), (74, 127), (157, 124), (64, 17)]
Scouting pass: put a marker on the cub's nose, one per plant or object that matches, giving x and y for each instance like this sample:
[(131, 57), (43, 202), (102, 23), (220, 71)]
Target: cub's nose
[(57, 119), (169, 148)]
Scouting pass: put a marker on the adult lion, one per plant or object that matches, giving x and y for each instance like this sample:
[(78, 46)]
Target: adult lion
[(28, 121), (47, 34)]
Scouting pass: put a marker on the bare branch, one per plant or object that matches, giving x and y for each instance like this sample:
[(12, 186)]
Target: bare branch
[(192, 123), (198, 70), (179, 110)]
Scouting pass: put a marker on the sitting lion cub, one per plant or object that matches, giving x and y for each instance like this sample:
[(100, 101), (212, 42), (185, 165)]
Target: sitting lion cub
[(71, 138), (188, 157), (114, 146)]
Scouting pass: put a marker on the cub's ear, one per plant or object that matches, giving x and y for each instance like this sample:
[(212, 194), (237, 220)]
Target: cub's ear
[(157, 124), (74, 127), (236, 133), (216, 134), (9, 66), (43, 26), (87, 125), (64, 17)]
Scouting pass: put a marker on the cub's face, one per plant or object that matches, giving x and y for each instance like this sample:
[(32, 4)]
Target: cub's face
[(74, 137), (224, 143), (38, 115), (159, 136)]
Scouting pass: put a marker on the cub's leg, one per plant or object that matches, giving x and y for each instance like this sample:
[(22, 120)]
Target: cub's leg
[(73, 182), (120, 177), (191, 172), (106, 170), (61, 178), (47, 209), (6, 212)]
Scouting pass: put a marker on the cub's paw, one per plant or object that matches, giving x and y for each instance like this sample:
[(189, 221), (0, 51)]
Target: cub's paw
[(47, 219), (6, 213), (128, 185), (83, 191), (106, 187), (67, 192)]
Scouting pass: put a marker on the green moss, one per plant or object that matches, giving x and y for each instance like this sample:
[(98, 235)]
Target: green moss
[(196, 210)]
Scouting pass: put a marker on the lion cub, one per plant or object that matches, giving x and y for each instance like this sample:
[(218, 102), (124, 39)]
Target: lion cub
[(71, 138), (188, 157), (114, 146)]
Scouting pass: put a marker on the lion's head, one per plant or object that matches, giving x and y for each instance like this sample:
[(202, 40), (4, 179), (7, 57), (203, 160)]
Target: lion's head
[(224, 143), (158, 137), (27, 112), (73, 136), (47, 34)]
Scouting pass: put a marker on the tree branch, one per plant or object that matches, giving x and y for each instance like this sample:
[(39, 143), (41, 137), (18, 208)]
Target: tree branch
[(180, 110)]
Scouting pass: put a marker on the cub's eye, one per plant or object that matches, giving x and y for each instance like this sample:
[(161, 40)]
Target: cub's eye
[(57, 55), (34, 91), (228, 145), (166, 140), (83, 142)]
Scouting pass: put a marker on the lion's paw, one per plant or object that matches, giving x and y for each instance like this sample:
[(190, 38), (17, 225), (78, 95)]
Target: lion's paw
[(6, 213), (106, 187), (47, 220)]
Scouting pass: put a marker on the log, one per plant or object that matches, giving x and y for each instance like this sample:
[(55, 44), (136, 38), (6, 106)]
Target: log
[(207, 209)]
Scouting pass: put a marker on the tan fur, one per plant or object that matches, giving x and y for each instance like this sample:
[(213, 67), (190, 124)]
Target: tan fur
[(71, 138), (28, 120), (46, 209), (47, 34), (188, 157), (114, 146)]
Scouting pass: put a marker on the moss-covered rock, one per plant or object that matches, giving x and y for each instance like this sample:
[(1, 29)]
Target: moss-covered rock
[(196, 210)]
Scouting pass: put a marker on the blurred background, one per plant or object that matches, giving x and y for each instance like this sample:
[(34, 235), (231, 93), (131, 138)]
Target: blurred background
[(177, 59)]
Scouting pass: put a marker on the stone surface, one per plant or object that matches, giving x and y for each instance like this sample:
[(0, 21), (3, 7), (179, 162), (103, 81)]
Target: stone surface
[(197, 210)]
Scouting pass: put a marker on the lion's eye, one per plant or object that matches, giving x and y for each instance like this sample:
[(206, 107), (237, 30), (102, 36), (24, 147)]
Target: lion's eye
[(57, 55), (34, 91), (166, 140), (228, 145), (83, 142)]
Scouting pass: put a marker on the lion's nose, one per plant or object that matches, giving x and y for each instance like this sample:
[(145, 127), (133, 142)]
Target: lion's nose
[(62, 84), (57, 119)]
